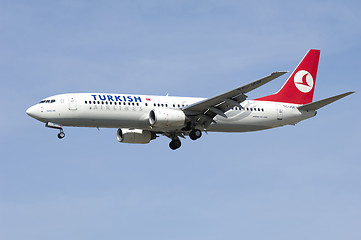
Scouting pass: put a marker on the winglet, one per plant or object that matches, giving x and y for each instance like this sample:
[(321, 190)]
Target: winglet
[(319, 104), (256, 84)]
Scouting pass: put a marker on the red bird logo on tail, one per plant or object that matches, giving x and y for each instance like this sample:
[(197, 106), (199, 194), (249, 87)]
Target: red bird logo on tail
[(303, 81)]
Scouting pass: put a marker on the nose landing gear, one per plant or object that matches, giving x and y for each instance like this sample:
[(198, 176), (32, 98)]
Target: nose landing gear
[(61, 135)]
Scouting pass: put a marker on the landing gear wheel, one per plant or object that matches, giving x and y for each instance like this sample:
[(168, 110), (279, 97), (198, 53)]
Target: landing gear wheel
[(61, 135), (195, 134), (175, 144)]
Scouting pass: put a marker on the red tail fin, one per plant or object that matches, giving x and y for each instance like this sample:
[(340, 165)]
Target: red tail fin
[(300, 86)]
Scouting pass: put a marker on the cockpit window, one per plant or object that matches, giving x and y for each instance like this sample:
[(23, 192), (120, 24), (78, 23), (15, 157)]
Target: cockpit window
[(48, 101)]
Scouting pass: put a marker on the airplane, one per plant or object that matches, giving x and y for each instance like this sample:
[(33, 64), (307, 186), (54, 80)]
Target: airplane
[(142, 118)]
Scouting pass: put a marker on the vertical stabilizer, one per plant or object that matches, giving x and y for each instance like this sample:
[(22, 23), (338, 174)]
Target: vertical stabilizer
[(300, 86)]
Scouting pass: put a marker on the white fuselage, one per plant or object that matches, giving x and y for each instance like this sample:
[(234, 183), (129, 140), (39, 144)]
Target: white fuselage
[(132, 111)]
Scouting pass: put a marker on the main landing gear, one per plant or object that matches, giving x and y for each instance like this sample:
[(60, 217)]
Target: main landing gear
[(175, 144), (195, 134)]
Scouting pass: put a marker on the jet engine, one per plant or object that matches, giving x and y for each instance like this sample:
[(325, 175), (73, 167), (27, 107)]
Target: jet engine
[(163, 117), (126, 135)]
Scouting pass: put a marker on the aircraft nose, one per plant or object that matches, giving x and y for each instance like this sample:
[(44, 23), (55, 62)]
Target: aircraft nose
[(32, 111)]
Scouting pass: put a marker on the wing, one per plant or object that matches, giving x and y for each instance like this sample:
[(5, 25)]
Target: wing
[(204, 111)]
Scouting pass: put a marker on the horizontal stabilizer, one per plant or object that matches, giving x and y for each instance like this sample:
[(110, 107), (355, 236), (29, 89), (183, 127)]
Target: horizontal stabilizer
[(319, 104)]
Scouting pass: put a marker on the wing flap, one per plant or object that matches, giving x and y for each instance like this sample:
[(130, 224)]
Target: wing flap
[(319, 104)]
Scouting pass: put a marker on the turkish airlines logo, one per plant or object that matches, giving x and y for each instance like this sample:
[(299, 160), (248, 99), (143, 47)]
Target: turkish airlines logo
[(303, 81)]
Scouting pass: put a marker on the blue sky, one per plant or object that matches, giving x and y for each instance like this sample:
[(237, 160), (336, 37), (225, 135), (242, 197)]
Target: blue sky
[(299, 182)]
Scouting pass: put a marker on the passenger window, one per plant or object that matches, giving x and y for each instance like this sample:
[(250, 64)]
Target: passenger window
[(86, 102), (98, 102), (146, 104)]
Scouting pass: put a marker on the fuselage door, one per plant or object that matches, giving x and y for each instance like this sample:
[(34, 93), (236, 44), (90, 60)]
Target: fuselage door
[(279, 112), (72, 102)]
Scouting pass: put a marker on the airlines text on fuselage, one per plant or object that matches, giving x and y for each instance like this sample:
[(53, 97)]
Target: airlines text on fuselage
[(117, 98)]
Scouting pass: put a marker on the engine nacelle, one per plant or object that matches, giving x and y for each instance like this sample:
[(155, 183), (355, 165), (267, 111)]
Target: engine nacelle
[(126, 135), (163, 117)]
